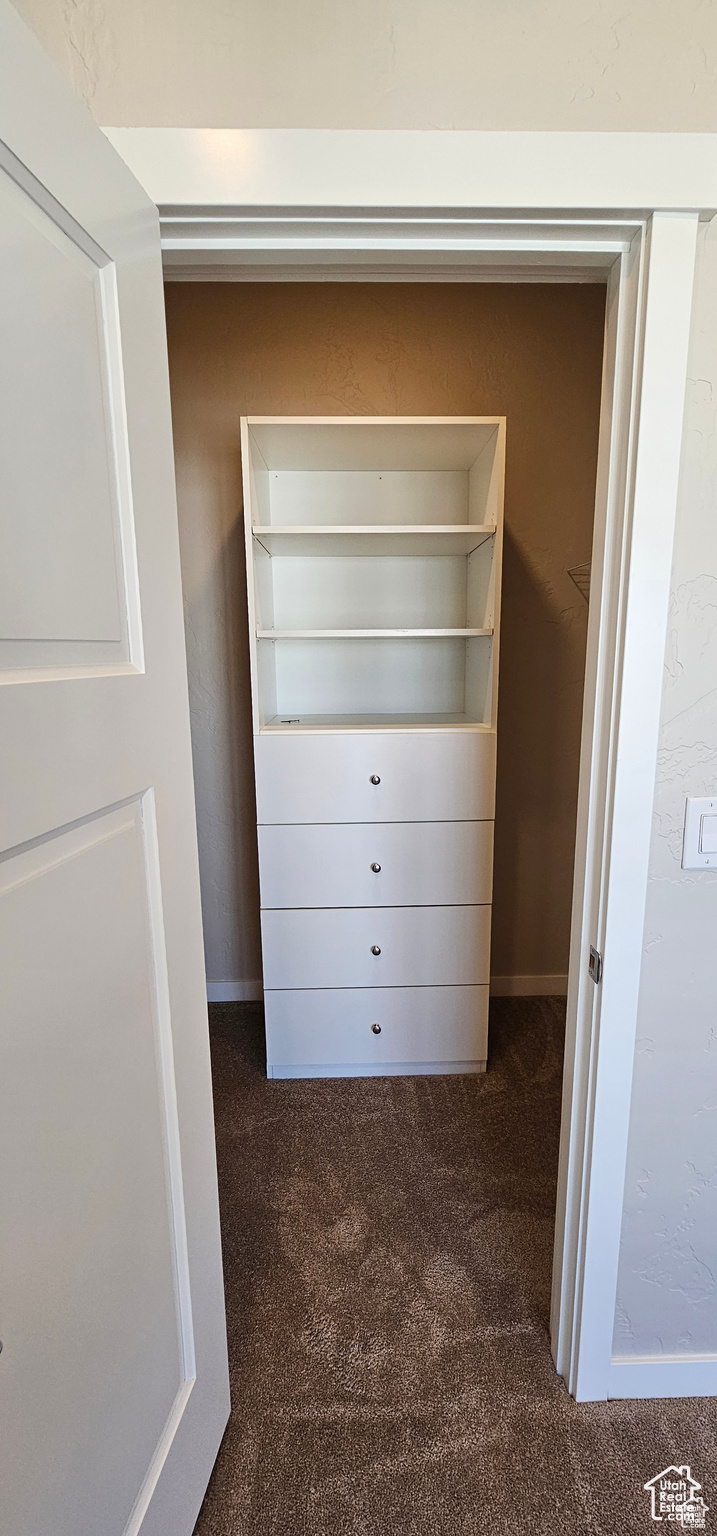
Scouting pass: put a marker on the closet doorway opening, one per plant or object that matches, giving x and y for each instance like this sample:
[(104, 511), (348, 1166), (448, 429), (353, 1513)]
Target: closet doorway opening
[(291, 206), (645, 269), (532, 353)]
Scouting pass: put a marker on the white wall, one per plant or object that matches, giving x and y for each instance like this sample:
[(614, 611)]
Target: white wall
[(580, 64), (667, 1292)]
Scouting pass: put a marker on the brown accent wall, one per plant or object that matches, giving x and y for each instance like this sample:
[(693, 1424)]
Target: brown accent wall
[(532, 352)]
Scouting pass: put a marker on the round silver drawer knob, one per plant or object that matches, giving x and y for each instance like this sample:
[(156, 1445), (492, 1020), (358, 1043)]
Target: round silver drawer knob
[(376, 869), (375, 949), (375, 778), (375, 1029)]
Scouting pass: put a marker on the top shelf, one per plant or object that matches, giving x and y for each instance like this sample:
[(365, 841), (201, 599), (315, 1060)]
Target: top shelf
[(373, 539), (361, 444)]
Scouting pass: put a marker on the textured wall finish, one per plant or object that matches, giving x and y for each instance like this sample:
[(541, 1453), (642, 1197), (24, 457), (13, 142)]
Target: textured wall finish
[(580, 64), (667, 1294), (533, 352)]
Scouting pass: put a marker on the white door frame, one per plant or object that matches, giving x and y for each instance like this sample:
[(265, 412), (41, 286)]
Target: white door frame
[(320, 205)]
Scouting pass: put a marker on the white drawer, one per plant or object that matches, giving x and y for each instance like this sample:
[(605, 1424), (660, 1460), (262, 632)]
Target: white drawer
[(431, 776), (421, 863), (422, 1029), (419, 947)]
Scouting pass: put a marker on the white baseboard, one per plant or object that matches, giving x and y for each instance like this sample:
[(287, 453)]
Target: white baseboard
[(528, 986), (664, 1376), (234, 992)]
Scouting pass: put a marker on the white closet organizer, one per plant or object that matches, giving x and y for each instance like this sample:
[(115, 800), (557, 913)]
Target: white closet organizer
[(373, 568)]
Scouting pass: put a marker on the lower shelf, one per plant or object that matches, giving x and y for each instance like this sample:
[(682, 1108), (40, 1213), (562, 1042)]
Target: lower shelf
[(389, 1069), (329, 1032), (376, 721)]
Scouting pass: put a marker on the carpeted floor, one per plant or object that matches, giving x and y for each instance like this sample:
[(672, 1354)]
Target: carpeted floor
[(387, 1248)]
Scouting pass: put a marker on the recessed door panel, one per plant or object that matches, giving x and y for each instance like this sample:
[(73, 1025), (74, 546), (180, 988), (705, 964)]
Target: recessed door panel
[(110, 1417), (95, 1339), (62, 435)]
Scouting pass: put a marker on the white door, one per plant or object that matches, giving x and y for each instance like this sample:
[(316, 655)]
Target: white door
[(113, 1374)]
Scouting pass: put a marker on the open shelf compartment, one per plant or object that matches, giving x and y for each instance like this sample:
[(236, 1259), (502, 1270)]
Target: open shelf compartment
[(436, 676), (355, 471), (341, 591), (374, 555)]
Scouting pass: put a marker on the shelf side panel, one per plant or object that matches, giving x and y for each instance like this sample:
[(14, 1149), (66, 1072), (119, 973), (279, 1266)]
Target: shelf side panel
[(264, 587), (479, 675), (480, 586), (266, 680), (485, 484)]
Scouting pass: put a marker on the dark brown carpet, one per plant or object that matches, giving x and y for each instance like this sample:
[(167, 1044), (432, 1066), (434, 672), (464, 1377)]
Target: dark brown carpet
[(387, 1247)]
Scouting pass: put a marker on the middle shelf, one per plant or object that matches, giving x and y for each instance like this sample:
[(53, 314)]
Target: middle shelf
[(371, 588), (370, 634), (364, 539), (374, 620)]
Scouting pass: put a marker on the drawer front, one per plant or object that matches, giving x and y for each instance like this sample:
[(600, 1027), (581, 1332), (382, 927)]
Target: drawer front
[(422, 863), (423, 776), (419, 947), (419, 1027)]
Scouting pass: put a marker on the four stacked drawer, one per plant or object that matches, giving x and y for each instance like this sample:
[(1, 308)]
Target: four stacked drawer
[(375, 862)]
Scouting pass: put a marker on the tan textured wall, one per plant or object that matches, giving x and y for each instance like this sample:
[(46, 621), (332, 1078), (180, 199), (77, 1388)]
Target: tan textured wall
[(532, 352), (580, 64)]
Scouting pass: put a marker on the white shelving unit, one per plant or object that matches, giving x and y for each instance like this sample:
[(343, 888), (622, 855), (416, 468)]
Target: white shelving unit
[(374, 552)]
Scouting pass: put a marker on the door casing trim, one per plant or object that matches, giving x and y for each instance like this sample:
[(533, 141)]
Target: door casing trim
[(311, 205)]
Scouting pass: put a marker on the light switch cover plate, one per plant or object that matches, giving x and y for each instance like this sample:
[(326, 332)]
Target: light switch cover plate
[(699, 843)]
